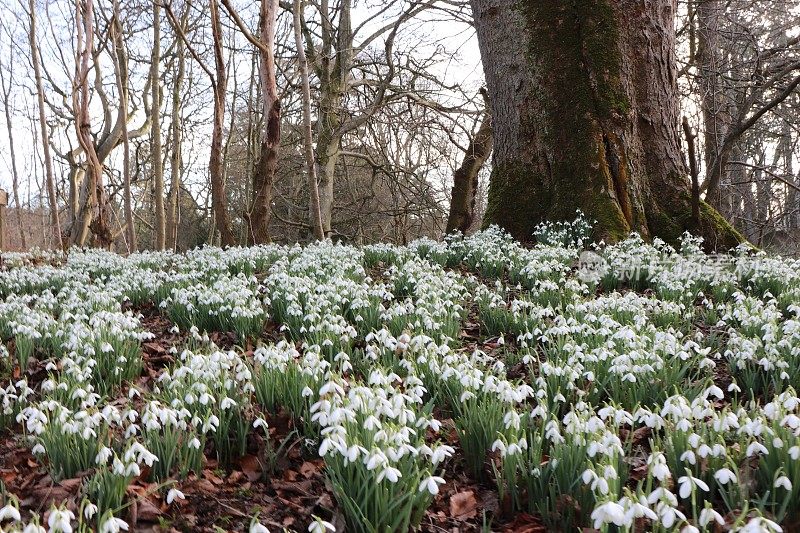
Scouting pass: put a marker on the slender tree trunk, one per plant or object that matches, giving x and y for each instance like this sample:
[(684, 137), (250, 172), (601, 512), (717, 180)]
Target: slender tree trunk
[(584, 106), (264, 172), (253, 141), (176, 154), (716, 115), (219, 201), (93, 215), (48, 161), (11, 149), (316, 219), (155, 131), (465, 179), (791, 214), (333, 67), (121, 75)]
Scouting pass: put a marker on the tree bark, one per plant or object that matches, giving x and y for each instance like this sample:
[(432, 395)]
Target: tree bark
[(155, 132), (716, 115), (11, 147), (173, 209), (219, 201), (585, 116), (120, 57), (264, 171), (314, 202), (93, 215), (465, 178), (48, 161)]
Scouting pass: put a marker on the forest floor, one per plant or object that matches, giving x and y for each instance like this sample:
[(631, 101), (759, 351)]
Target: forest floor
[(460, 386)]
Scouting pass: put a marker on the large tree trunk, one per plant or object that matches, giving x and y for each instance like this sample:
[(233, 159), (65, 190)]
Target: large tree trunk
[(585, 116), (465, 179)]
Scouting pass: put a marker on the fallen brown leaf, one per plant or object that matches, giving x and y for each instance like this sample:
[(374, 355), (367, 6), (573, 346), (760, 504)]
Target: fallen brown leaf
[(463, 505)]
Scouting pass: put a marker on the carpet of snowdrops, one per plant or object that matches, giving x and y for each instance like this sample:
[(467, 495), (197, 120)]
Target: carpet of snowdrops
[(654, 391)]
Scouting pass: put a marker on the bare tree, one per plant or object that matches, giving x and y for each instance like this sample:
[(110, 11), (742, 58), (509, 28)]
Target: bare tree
[(7, 67), (48, 160), (465, 178), (173, 209), (218, 79), (264, 171), (94, 209), (120, 59), (155, 130), (302, 62)]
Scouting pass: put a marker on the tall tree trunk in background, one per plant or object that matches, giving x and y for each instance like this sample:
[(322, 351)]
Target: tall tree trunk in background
[(219, 201), (791, 207), (335, 62), (465, 178), (155, 131), (264, 171), (173, 213), (120, 57), (48, 161), (716, 116), (93, 214), (12, 152), (314, 203), (585, 116)]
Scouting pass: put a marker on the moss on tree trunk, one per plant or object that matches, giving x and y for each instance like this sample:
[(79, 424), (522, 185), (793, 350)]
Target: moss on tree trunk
[(587, 118)]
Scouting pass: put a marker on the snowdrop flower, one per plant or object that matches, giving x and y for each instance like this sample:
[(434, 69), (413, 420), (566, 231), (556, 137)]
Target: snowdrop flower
[(708, 515), (89, 510), (756, 447), (320, 526), (103, 455), (431, 484), (257, 527), (687, 484), (390, 473), (60, 520), (440, 453), (609, 513), (132, 469), (113, 525), (689, 457), (174, 494), (760, 525), (638, 509), (784, 482), (597, 483), (725, 476), (10, 512), (689, 528)]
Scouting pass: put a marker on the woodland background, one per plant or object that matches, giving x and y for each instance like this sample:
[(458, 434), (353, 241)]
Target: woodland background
[(175, 124)]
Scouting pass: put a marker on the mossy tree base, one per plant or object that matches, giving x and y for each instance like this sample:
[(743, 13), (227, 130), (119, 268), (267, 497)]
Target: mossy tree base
[(586, 117)]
